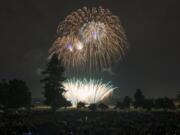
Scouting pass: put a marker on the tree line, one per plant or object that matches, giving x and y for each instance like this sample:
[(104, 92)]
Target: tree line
[(140, 101), (15, 93)]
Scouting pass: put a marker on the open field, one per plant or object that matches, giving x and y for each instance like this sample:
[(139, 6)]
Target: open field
[(76, 122)]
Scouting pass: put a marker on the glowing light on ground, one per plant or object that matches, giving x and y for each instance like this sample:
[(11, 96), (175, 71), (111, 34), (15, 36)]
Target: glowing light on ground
[(87, 91)]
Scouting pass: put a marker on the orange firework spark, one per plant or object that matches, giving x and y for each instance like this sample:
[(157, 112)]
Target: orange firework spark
[(91, 39)]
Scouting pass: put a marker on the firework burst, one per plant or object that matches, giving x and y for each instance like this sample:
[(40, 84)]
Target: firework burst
[(87, 91), (90, 39)]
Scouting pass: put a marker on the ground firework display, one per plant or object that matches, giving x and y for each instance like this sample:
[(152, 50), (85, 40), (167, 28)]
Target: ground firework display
[(91, 39), (87, 91)]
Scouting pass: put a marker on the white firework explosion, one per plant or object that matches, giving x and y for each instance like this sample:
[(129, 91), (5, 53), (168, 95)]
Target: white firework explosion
[(87, 91)]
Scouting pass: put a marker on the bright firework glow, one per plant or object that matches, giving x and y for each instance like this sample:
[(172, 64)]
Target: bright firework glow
[(87, 91), (93, 32), (92, 39), (79, 45)]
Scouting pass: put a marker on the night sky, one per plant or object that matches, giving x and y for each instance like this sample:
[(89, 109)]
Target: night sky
[(28, 28)]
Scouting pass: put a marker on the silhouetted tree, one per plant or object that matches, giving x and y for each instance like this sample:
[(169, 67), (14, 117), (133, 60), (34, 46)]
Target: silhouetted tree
[(139, 99), (119, 105), (178, 99), (80, 105), (18, 94), (92, 107), (127, 102), (4, 88), (103, 106), (67, 104), (53, 88), (164, 103), (148, 104)]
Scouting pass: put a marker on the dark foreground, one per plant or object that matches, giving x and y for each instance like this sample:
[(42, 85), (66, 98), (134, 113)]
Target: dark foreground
[(90, 123)]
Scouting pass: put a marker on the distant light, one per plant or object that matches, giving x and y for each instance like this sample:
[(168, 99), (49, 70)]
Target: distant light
[(79, 45), (70, 47), (95, 34)]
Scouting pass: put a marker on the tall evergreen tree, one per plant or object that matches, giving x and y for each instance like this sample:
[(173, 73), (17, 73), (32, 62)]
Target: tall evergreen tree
[(53, 88), (139, 99)]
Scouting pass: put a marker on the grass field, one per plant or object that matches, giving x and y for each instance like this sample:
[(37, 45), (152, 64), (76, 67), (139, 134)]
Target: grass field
[(84, 122)]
